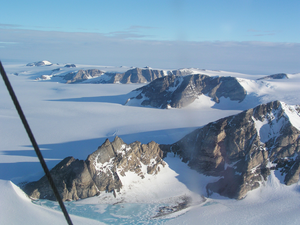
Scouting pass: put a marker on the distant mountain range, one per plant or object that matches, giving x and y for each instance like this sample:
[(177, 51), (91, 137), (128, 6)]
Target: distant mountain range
[(241, 150), (163, 88), (131, 76)]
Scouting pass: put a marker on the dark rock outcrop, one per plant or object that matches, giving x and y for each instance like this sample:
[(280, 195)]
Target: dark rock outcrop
[(70, 65), (138, 75), (180, 91), (275, 76), (242, 149), (101, 171), (72, 179)]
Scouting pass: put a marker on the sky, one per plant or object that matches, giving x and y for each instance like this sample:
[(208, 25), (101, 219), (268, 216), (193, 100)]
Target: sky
[(251, 36)]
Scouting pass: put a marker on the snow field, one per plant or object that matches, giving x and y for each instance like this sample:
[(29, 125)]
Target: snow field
[(75, 119)]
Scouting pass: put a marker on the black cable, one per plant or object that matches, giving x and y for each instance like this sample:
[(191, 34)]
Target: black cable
[(34, 144)]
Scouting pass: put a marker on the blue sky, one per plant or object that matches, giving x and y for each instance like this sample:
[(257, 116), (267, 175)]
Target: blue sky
[(118, 26)]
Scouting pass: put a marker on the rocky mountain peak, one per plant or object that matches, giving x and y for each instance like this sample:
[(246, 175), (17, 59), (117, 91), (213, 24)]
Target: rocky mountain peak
[(138, 75), (81, 75), (179, 91), (244, 149), (101, 171)]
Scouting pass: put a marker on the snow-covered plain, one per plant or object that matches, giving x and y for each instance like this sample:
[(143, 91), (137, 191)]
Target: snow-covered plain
[(74, 119)]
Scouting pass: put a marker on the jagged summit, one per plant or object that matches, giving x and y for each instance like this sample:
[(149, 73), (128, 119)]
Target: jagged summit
[(102, 171)]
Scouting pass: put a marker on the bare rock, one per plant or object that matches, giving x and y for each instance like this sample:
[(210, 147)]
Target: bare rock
[(235, 149), (78, 179), (72, 179), (180, 91), (81, 75), (275, 76)]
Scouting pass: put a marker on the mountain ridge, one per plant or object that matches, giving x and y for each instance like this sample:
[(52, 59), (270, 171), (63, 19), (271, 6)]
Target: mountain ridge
[(179, 91), (232, 148), (101, 171), (241, 149)]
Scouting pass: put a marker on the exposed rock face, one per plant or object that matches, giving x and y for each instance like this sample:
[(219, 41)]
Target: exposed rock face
[(72, 179), (135, 75), (101, 170), (244, 148), (81, 75), (179, 91), (275, 76), (138, 75), (70, 65), (114, 159)]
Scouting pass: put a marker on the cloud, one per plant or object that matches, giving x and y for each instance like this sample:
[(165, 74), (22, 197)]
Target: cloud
[(132, 32), (95, 48), (260, 33), (7, 26), (137, 28), (7, 42)]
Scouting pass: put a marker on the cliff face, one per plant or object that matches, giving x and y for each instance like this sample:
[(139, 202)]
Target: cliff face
[(101, 171), (242, 149), (179, 91), (138, 75), (72, 179)]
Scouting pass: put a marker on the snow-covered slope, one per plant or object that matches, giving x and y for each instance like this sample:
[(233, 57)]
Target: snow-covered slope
[(40, 63), (17, 208), (76, 119)]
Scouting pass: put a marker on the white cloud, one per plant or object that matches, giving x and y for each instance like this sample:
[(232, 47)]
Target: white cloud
[(259, 33), (132, 32), (93, 48)]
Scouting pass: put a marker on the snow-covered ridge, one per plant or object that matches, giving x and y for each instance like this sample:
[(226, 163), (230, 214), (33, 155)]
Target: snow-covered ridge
[(272, 123), (293, 114), (40, 63)]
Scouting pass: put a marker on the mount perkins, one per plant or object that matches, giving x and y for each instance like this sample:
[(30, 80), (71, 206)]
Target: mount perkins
[(239, 151)]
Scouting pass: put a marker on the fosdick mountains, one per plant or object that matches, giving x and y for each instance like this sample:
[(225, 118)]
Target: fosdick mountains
[(240, 150)]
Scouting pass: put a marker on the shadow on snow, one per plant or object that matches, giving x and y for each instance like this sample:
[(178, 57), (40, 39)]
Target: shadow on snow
[(54, 153)]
